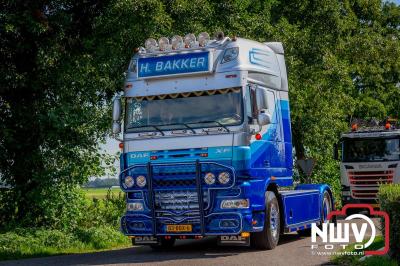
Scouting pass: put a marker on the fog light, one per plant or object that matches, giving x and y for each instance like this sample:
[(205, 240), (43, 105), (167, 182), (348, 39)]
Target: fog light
[(209, 178), (129, 182), (235, 204), (224, 178), (141, 181)]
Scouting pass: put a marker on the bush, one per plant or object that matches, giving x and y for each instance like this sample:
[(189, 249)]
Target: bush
[(23, 243), (91, 224), (389, 198)]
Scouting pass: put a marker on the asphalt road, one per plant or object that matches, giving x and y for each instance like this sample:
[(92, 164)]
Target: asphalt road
[(292, 250)]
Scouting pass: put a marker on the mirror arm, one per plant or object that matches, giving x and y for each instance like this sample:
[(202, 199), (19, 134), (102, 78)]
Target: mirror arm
[(116, 137)]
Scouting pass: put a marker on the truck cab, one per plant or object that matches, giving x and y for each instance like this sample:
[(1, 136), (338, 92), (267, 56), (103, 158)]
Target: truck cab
[(207, 146), (370, 156)]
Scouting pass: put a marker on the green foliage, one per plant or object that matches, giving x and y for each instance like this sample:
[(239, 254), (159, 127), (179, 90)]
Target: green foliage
[(94, 226), (354, 260), (36, 242), (389, 199)]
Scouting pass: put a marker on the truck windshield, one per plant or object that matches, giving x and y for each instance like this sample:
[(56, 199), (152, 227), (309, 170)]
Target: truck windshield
[(370, 150), (184, 110)]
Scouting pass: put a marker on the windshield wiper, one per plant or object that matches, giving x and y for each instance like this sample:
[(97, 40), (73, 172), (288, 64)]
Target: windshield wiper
[(183, 124), (216, 122), (157, 128)]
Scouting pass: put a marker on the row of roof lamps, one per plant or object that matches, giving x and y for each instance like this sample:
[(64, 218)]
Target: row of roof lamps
[(177, 42)]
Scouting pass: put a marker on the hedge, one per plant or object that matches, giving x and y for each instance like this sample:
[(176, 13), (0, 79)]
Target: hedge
[(389, 198)]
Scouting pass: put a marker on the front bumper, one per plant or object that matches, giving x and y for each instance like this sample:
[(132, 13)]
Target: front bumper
[(177, 194)]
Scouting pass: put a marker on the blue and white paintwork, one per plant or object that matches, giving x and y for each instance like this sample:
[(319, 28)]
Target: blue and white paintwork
[(255, 165)]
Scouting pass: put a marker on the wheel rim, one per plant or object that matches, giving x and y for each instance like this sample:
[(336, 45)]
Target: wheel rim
[(326, 207), (274, 221)]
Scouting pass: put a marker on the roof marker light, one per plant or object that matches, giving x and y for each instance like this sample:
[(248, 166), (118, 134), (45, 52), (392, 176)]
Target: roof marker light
[(354, 127), (387, 126)]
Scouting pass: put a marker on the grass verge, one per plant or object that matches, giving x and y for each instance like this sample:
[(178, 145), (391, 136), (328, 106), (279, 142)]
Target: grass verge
[(28, 243), (354, 260), (100, 193)]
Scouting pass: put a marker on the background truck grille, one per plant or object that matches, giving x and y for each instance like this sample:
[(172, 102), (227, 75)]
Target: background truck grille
[(364, 185)]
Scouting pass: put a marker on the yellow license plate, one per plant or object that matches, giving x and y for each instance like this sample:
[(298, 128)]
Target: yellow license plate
[(179, 228)]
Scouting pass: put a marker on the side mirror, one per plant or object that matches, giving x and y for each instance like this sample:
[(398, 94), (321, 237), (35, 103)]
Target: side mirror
[(116, 114), (117, 106), (116, 127), (262, 99), (263, 119), (335, 151)]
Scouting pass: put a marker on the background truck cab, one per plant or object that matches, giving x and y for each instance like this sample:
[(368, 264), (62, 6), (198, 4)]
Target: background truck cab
[(370, 156)]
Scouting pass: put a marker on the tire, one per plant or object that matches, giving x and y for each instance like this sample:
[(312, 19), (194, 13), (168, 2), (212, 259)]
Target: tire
[(269, 237), (326, 207), (163, 244)]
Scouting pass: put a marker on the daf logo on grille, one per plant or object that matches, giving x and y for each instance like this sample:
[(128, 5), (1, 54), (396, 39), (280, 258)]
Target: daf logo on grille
[(139, 155)]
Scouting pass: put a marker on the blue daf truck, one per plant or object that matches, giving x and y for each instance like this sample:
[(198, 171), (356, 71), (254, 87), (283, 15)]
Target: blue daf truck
[(207, 146)]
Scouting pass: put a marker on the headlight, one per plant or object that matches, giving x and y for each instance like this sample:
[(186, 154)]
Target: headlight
[(129, 182), (230, 54), (235, 204), (209, 178), (141, 181), (134, 206), (224, 178)]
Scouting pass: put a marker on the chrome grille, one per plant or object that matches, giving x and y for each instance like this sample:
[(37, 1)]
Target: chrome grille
[(365, 184), (177, 201)]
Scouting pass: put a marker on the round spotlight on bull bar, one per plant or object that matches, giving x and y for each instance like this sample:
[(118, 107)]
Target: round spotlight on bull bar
[(176, 42), (150, 44), (141, 181), (189, 40), (163, 43), (203, 38), (224, 178), (209, 178), (129, 181)]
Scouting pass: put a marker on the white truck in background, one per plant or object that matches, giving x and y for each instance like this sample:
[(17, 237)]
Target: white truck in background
[(370, 156)]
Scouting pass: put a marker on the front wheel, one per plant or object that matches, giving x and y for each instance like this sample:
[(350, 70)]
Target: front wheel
[(269, 237)]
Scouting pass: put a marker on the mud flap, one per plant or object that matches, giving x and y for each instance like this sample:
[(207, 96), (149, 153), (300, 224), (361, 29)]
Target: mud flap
[(237, 240), (145, 240)]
